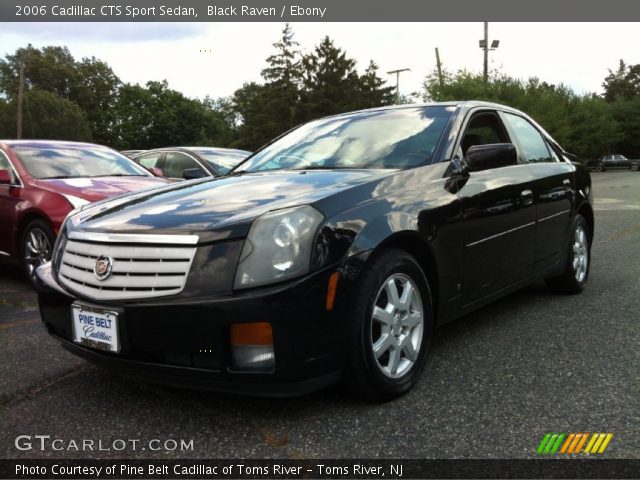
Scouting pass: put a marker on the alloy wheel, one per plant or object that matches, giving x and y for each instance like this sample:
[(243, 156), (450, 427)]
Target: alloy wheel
[(397, 325), (37, 250), (580, 253)]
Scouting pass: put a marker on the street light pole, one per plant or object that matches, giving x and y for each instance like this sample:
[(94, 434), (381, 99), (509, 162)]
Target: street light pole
[(486, 51), (484, 45)]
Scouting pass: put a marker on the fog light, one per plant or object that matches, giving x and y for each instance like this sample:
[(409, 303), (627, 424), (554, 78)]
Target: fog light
[(252, 347)]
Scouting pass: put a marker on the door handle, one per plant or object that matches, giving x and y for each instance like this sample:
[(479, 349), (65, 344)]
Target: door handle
[(527, 197)]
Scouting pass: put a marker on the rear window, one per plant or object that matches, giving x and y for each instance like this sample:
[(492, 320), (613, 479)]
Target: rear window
[(73, 162), (222, 160)]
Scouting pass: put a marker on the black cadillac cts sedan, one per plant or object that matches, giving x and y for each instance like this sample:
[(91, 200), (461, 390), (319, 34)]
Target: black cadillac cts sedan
[(331, 253)]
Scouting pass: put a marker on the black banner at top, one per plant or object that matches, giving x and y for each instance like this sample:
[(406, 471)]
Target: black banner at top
[(315, 10)]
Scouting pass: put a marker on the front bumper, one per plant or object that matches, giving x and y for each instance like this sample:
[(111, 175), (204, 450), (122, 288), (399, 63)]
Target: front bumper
[(162, 341)]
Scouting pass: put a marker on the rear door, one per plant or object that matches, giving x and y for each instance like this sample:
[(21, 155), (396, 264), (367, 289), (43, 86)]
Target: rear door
[(553, 181), (498, 216)]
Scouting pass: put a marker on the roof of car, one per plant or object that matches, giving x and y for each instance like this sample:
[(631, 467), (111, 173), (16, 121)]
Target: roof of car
[(48, 143), (200, 147), (456, 103)]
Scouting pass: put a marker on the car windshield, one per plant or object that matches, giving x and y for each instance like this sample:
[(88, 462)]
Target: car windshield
[(222, 160), (393, 139), (76, 161)]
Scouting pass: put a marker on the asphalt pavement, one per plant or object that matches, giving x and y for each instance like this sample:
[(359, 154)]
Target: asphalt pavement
[(496, 381)]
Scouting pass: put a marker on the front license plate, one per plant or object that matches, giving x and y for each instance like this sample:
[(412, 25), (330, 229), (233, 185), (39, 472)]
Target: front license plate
[(95, 327)]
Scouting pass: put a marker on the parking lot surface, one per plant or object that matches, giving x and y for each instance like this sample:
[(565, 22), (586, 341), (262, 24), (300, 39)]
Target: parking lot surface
[(496, 380)]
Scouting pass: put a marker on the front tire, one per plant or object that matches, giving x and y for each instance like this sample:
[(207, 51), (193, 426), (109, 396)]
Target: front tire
[(391, 327), (576, 272), (634, 167), (599, 168), (36, 247)]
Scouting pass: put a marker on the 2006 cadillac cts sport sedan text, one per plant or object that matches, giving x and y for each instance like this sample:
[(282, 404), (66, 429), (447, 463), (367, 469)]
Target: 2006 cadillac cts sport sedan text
[(331, 253)]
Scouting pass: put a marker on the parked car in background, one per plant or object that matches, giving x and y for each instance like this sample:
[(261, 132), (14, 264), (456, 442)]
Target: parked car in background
[(185, 163), (41, 181), (131, 153), (331, 253), (612, 162)]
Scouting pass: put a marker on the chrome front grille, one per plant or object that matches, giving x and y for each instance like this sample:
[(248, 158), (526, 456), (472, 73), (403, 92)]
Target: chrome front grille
[(141, 269)]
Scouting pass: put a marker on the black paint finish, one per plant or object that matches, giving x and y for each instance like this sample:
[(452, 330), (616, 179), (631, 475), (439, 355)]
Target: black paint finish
[(477, 234)]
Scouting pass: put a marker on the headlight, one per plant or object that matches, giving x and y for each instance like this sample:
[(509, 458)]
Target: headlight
[(76, 202), (278, 246)]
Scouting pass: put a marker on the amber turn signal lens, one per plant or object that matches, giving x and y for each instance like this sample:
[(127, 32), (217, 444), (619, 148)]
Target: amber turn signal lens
[(332, 289), (258, 333)]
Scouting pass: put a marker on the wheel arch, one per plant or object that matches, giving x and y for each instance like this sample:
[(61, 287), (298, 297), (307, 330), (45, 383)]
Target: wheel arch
[(25, 220), (413, 244), (587, 212)]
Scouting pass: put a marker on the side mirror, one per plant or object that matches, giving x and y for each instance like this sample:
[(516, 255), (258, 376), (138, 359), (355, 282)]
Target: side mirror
[(191, 173), (484, 157), (5, 178)]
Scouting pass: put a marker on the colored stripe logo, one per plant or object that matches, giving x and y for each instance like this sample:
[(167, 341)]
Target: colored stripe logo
[(574, 443)]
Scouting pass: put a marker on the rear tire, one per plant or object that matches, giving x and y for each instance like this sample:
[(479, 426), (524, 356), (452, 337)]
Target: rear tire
[(391, 325), (576, 272), (35, 248)]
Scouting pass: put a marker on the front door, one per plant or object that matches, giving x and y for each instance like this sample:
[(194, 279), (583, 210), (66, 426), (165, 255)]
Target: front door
[(498, 223)]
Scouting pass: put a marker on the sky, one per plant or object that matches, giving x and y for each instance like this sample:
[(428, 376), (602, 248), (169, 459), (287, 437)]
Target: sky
[(215, 59)]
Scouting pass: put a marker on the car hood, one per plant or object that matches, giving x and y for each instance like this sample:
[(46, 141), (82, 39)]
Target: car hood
[(221, 208), (97, 188)]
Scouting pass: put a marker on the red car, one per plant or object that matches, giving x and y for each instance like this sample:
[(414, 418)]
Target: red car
[(41, 181)]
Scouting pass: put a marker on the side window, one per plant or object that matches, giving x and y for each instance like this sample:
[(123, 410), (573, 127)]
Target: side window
[(5, 165), (534, 147), (483, 129), (175, 163), (149, 160)]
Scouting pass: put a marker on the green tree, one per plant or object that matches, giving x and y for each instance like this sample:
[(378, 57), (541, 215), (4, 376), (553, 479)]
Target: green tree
[(627, 115), (46, 115), (52, 69), (256, 124), (623, 84), (157, 116), (90, 83), (283, 76), (372, 90), (594, 130), (95, 91), (330, 82)]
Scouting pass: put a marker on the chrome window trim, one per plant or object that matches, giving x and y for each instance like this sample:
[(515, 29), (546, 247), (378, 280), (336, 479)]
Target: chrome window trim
[(15, 172), (134, 238)]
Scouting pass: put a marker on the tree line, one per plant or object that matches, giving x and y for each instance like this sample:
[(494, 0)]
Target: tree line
[(85, 100), (588, 125)]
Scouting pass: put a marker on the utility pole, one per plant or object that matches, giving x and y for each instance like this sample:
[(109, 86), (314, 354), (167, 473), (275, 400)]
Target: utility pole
[(20, 97), (440, 79), (486, 51), (397, 72)]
